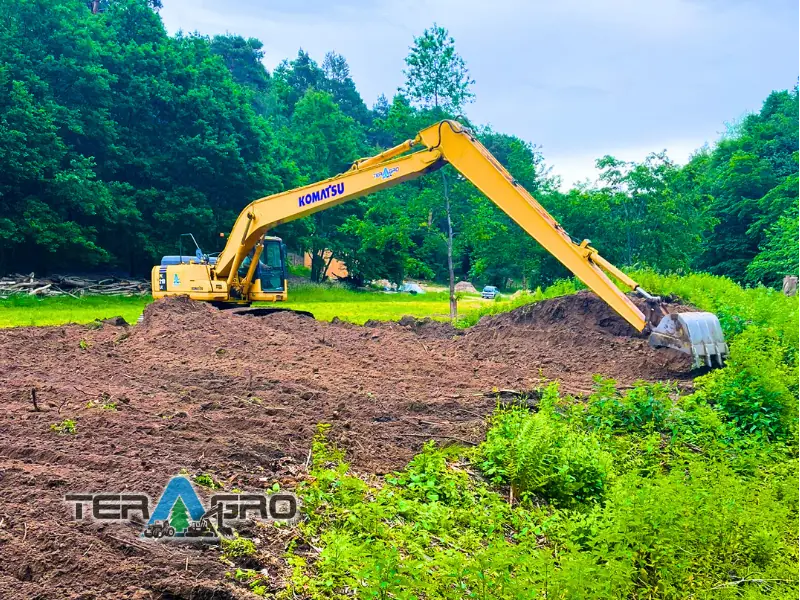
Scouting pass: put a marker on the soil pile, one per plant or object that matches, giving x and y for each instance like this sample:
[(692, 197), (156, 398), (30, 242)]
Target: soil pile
[(571, 337), (239, 397), (465, 286)]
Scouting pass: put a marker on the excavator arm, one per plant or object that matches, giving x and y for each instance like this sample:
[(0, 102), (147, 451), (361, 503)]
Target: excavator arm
[(445, 142), (448, 142)]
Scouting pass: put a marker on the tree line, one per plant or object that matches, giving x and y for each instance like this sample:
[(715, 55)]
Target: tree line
[(115, 138)]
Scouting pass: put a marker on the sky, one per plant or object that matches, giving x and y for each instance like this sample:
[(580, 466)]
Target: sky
[(580, 79)]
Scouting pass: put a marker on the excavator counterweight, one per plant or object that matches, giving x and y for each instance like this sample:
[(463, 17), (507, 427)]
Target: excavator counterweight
[(248, 269)]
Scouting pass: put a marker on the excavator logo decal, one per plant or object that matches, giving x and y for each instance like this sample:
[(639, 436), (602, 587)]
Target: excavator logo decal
[(331, 191), (386, 173)]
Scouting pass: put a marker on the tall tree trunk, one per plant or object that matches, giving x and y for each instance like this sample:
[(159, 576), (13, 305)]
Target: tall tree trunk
[(317, 264), (327, 266), (453, 301)]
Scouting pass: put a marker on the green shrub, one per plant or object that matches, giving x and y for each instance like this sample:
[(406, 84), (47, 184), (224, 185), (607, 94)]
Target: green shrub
[(539, 454), (645, 407), (299, 271), (757, 390), (736, 307), (681, 534), (428, 477)]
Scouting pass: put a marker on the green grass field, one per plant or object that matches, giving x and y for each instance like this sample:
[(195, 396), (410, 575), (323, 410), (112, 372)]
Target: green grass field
[(324, 302), (20, 311)]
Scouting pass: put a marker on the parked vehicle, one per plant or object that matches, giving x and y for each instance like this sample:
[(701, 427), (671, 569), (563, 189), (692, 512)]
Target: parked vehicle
[(490, 292)]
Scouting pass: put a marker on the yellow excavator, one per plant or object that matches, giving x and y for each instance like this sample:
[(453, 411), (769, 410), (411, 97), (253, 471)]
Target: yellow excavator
[(252, 266)]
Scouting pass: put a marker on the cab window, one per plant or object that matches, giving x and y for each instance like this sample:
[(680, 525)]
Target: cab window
[(271, 256)]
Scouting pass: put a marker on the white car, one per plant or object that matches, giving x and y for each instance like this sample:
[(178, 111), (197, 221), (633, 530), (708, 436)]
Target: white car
[(490, 292)]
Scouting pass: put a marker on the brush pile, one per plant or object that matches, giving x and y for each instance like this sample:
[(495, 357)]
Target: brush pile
[(70, 285)]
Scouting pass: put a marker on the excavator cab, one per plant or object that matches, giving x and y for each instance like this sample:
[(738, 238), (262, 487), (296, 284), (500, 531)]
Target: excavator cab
[(269, 279), (192, 275)]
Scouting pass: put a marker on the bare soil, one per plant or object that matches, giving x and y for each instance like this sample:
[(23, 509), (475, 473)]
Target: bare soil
[(239, 398)]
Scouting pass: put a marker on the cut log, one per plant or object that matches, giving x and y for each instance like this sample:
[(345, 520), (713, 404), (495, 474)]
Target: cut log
[(39, 290)]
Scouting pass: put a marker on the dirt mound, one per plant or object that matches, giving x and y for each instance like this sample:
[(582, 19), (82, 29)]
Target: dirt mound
[(573, 335), (465, 286), (583, 310), (204, 390), (426, 327), (176, 305)]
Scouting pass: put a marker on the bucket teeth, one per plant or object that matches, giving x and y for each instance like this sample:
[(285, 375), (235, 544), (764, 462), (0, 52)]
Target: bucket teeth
[(698, 334)]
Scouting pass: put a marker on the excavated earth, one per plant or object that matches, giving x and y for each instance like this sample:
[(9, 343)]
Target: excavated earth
[(239, 397)]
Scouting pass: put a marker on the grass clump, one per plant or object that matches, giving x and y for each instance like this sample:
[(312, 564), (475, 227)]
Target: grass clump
[(237, 548), (67, 427), (207, 481), (256, 582)]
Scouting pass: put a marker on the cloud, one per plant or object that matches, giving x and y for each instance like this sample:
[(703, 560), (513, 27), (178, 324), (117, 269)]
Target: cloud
[(579, 78)]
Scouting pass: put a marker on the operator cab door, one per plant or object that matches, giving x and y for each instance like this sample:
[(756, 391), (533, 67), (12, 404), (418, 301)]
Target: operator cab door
[(269, 280), (272, 266)]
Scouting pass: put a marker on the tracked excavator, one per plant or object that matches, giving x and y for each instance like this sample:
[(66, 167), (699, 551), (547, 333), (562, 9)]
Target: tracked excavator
[(252, 266)]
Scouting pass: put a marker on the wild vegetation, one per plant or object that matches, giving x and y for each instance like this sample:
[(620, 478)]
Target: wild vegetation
[(116, 137), (635, 493)]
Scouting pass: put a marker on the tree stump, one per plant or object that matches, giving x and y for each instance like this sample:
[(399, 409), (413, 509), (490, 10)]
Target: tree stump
[(790, 285)]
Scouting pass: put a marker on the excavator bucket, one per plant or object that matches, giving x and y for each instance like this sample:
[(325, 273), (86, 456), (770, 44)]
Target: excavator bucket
[(696, 333)]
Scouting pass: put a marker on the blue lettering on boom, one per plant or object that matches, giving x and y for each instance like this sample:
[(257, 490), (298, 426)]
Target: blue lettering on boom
[(330, 191), (386, 173)]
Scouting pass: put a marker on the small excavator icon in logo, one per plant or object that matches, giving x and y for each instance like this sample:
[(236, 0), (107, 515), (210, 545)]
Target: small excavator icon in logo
[(179, 513)]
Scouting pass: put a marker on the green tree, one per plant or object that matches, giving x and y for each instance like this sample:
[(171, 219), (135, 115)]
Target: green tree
[(179, 516), (324, 142), (738, 176), (341, 87), (436, 75), (778, 252), (116, 138), (500, 252), (242, 57), (661, 227)]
